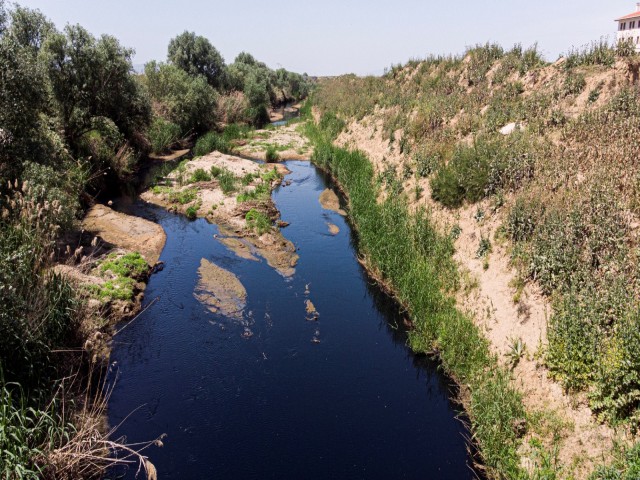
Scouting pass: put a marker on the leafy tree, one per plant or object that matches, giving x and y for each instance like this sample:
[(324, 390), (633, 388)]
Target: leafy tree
[(30, 28), (23, 94), (93, 78), (197, 56), (255, 89), (187, 101), (3, 17)]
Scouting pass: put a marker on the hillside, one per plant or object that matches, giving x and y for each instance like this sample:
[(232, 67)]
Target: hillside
[(531, 171)]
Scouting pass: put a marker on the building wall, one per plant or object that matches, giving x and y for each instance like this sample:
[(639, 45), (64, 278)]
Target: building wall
[(633, 33)]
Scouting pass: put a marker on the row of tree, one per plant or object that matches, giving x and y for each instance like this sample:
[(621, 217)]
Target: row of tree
[(67, 96)]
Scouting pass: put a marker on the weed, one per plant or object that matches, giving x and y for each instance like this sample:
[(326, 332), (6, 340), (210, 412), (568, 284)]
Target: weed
[(199, 175), (258, 221), (192, 212), (272, 155), (516, 351)]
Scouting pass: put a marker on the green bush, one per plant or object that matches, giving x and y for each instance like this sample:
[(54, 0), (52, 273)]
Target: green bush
[(490, 165), (209, 142), (272, 154), (596, 53), (258, 221), (227, 181), (192, 212), (199, 175), (574, 84), (162, 135)]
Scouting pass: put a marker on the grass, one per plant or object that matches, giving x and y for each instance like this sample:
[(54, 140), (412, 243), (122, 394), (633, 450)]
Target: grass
[(258, 221), (272, 155), (409, 257), (121, 272), (199, 175), (221, 142)]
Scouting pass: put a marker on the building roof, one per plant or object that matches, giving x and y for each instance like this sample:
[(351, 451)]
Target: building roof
[(630, 16)]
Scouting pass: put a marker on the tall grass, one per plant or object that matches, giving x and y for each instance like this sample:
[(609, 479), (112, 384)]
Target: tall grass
[(412, 260)]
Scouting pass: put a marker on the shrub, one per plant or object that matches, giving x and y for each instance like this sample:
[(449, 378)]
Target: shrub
[(199, 175), (209, 142), (162, 135), (258, 221), (227, 181), (596, 53), (486, 167), (192, 212), (272, 154), (574, 84)]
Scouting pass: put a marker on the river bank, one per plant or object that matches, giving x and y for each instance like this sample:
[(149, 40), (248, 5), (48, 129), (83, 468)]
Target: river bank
[(284, 362)]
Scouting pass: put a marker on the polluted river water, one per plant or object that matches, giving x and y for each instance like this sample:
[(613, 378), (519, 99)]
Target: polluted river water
[(311, 378)]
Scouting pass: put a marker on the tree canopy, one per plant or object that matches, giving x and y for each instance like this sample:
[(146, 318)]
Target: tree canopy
[(197, 56)]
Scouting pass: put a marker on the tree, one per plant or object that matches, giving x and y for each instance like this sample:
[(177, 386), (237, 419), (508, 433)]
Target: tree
[(255, 89), (180, 98), (197, 56), (22, 97), (93, 78), (30, 28)]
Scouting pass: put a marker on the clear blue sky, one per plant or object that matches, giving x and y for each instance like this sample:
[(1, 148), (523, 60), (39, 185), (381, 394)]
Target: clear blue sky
[(331, 37)]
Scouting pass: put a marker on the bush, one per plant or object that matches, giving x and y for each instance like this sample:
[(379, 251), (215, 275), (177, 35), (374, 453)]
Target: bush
[(227, 181), (258, 221), (596, 53), (199, 175), (209, 142), (162, 135), (272, 154), (192, 212), (488, 166)]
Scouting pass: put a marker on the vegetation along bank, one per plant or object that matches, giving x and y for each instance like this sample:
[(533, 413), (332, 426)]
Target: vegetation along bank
[(78, 125), (495, 194)]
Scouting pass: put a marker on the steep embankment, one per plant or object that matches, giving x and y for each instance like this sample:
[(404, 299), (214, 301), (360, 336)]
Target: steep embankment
[(527, 168)]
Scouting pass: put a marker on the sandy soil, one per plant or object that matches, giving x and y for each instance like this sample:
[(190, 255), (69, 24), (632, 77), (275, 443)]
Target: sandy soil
[(220, 290), (297, 145), (225, 211), (125, 231), (330, 201), (333, 229), (487, 295)]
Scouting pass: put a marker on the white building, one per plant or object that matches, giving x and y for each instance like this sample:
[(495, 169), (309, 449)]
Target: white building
[(629, 27)]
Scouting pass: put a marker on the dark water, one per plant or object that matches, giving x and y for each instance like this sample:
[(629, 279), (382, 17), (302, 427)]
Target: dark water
[(358, 405)]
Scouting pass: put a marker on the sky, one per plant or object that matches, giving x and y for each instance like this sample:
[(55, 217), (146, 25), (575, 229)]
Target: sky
[(333, 37)]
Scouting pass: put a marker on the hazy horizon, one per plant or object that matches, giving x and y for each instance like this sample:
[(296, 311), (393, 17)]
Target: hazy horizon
[(334, 37)]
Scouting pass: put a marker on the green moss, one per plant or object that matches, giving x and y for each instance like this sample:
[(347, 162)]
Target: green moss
[(129, 265)]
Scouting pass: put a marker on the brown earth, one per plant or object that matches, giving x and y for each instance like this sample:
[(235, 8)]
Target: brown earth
[(125, 231), (330, 201), (488, 297), (220, 290), (225, 211)]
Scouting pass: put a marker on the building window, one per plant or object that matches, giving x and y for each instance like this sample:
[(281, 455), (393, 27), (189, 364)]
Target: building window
[(624, 26), (632, 25)]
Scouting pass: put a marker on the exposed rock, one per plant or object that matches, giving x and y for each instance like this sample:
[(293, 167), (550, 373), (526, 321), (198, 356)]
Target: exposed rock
[(127, 232), (330, 201), (220, 290)]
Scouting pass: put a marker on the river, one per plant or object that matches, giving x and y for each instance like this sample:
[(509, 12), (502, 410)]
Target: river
[(356, 405)]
